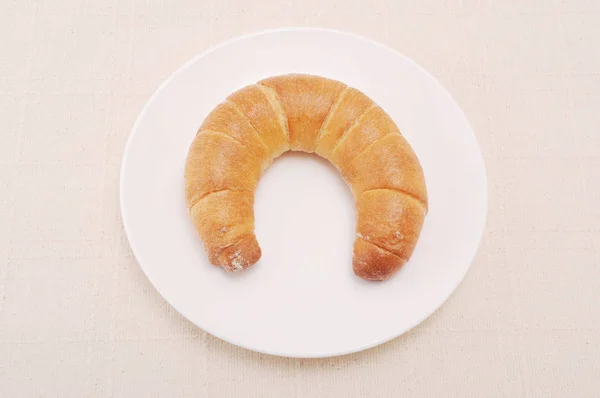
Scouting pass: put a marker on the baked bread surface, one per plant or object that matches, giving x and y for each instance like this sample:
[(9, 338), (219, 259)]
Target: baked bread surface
[(240, 138)]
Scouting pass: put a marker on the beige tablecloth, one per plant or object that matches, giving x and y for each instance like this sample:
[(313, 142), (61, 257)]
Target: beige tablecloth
[(78, 317)]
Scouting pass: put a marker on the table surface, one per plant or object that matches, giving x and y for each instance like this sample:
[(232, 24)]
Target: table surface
[(79, 318)]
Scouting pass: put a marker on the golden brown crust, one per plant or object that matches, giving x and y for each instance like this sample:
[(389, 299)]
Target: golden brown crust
[(306, 101), (373, 125), (374, 263), (227, 119), (254, 104), (388, 163), (240, 255), (351, 105), (390, 220), (225, 219), (217, 162), (241, 136)]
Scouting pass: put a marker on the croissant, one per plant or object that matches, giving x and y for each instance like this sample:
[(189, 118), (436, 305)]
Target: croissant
[(257, 123)]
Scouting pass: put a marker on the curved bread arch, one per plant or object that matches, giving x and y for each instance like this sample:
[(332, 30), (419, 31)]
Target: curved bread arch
[(305, 102), (257, 123)]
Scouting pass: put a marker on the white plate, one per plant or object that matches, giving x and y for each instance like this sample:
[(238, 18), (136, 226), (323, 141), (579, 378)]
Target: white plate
[(302, 298)]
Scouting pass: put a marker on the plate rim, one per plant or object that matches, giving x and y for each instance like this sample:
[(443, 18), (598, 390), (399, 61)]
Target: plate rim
[(187, 64)]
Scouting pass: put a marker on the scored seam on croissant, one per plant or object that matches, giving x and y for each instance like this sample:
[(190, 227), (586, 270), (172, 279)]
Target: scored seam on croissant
[(195, 201), (222, 249), (238, 110), (353, 125), (402, 191), (373, 143), (359, 236), (330, 114), (211, 131), (275, 103)]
